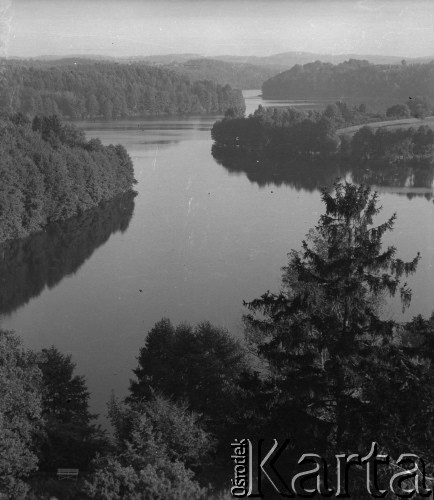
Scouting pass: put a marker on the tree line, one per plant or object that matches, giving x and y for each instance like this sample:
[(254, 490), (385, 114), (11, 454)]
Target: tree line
[(50, 172), (351, 79), (236, 74), (289, 133), (319, 365), (161, 447), (108, 90), (389, 145)]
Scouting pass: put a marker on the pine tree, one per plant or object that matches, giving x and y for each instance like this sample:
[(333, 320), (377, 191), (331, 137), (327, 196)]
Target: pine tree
[(322, 335), (71, 437), (203, 366)]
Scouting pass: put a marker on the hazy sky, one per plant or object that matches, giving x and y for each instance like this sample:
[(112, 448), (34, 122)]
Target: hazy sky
[(212, 27)]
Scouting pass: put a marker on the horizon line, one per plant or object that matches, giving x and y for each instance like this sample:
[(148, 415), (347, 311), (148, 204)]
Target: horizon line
[(193, 54)]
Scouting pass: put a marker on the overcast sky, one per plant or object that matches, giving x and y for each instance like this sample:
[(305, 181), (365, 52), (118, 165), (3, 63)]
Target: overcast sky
[(212, 27)]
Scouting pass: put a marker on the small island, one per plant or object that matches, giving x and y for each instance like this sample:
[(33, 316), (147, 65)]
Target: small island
[(338, 132)]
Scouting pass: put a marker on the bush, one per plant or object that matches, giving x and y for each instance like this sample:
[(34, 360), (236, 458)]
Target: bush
[(398, 111)]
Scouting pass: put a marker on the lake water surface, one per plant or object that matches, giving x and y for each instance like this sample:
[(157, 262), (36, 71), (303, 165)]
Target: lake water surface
[(196, 241)]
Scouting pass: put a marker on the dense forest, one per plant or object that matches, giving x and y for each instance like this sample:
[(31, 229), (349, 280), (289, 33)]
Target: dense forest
[(86, 90), (50, 173), (236, 74), (289, 133), (352, 79), (319, 365)]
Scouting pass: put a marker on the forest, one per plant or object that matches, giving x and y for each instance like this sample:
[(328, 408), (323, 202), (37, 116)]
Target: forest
[(50, 172), (319, 365), (276, 133), (354, 78), (236, 74), (109, 90)]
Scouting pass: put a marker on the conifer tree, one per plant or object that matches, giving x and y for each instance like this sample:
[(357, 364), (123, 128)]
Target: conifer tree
[(71, 438), (322, 336)]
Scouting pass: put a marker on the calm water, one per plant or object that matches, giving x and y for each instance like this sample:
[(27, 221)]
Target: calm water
[(196, 241)]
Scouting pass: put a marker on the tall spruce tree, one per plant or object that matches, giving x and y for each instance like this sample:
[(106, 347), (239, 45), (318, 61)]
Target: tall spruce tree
[(71, 438), (203, 366), (322, 337)]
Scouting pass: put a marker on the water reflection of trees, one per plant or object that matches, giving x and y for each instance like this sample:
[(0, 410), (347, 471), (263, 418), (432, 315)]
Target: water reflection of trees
[(312, 174), (45, 258), (411, 174), (307, 174)]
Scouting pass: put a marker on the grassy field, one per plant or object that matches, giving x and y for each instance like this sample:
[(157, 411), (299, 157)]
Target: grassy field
[(390, 125)]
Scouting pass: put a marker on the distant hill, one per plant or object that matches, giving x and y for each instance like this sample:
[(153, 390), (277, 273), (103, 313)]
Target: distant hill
[(352, 79), (52, 61), (158, 59), (237, 75), (163, 59), (242, 72), (196, 68), (91, 89), (286, 60), (282, 61)]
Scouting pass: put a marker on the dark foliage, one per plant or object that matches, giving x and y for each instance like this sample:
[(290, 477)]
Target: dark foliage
[(50, 173), (339, 376), (70, 437), (157, 442), (236, 74), (332, 375), (20, 415), (108, 90), (286, 135), (351, 79), (287, 132), (420, 106), (398, 111), (398, 145), (277, 132), (204, 367)]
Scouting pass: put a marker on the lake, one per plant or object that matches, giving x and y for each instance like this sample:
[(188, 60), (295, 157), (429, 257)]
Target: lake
[(196, 241)]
